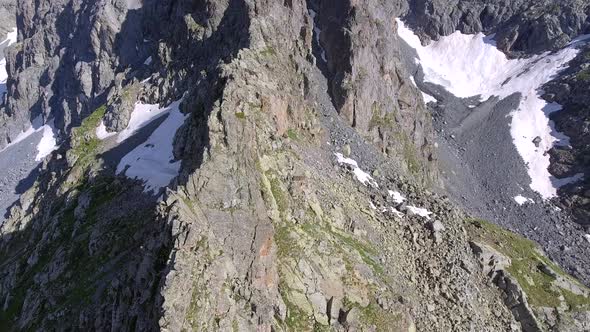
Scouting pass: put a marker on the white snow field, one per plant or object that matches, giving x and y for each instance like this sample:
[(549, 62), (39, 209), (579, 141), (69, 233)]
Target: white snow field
[(153, 160), (142, 115), (471, 65), (102, 133)]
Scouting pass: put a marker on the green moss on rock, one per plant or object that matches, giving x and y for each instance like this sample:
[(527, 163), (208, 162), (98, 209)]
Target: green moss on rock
[(526, 263), (85, 144)]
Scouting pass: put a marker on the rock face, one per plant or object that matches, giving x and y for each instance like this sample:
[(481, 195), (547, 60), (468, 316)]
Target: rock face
[(70, 57), (8, 14), (494, 265), (264, 229), (540, 295), (522, 26), (571, 91), (368, 83)]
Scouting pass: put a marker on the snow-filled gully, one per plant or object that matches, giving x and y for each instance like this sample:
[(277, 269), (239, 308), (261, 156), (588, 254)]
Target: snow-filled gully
[(152, 161), (471, 65)]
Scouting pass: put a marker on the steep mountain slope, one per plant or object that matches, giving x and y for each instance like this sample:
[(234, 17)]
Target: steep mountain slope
[(246, 165)]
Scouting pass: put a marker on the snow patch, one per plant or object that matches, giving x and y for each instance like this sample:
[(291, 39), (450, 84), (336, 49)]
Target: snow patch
[(587, 237), (396, 196), (419, 211), (520, 200), (36, 125), (102, 133), (427, 98), (581, 38), (362, 176), (343, 160), (471, 65), (134, 4), (141, 116), (393, 211), (153, 161), (572, 179), (10, 39), (48, 141)]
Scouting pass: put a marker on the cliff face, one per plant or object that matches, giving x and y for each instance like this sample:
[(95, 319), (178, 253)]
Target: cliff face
[(265, 227), (520, 27), (369, 85), (571, 90)]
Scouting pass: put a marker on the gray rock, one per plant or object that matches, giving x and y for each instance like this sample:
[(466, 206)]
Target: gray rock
[(346, 151), (84, 201), (520, 26), (119, 111)]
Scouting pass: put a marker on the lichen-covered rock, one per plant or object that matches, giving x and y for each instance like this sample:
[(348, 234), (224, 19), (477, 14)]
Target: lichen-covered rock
[(540, 295)]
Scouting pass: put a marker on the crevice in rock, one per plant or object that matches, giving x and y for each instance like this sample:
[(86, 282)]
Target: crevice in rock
[(329, 309), (332, 44)]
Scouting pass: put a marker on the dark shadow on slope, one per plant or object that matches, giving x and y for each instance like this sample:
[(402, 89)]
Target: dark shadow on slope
[(114, 155), (319, 53), (333, 19), (205, 87), (24, 185), (93, 256)]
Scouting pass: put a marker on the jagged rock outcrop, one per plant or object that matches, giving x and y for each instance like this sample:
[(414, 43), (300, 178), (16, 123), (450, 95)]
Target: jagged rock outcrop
[(70, 57), (368, 83), (520, 27), (539, 294), (571, 90)]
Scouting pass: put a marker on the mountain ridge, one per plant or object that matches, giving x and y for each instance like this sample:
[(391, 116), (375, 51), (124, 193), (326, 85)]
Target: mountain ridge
[(308, 195)]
